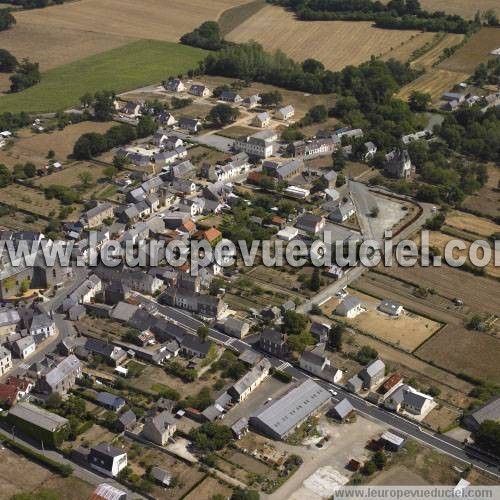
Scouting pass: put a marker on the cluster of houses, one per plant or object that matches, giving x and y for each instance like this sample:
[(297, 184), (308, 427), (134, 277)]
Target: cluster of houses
[(451, 101)]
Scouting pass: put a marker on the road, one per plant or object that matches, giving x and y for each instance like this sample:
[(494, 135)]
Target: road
[(369, 410)]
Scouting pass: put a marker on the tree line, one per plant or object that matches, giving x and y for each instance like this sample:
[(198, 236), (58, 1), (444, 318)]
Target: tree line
[(396, 14)]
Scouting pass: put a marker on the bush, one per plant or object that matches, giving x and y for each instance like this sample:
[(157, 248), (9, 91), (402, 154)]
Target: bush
[(366, 354)]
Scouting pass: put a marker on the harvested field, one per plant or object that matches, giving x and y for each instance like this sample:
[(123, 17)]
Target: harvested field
[(406, 48), (472, 224), (475, 51), (474, 353), (487, 199), (432, 56), (434, 81), (398, 476), (407, 331), (34, 147), (124, 68), (335, 43), (464, 8), (233, 17), (20, 222), (209, 488), (440, 240)]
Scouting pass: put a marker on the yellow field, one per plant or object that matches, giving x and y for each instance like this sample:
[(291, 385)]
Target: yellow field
[(406, 49), (472, 224), (464, 8), (432, 56), (335, 43), (435, 82)]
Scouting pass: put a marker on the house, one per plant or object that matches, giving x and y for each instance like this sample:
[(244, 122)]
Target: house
[(259, 145), (342, 411), (372, 374), (282, 171), (126, 421), (320, 331), (96, 216), (391, 308), (370, 150), (241, 389), (392, 440), (160, 428), (175, 85), (280, 418), (116, 291), (194, 346), (310, 223), (61, 378), (285, 113), (343, 212), (212, 235), (489, 411), (394, 380), (190, 124), (319, 366), (107, 459), (38, 423), (287, 233), (112, 354), (350, 307), (251, 101), (24, 347), (240, 427), (5, 360), (273, 342), (9, 319), (452, 96), (354, 384), (235, 327), (14, 389), (132, 109), (199, 90), (398, 164), (288, 305), (261, 120), (110, 401), (229, 96), (161, 476), (167, 119), (204, 305), (406, 398), (308, 149)]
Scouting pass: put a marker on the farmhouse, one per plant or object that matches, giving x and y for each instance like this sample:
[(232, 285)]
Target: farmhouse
[(251, 101), (229, 96), (285, 113), (199, 90), (350, 307), (190, 124), (175, 85), (262, 120), (279, 418), (132, 109), (167, 119)]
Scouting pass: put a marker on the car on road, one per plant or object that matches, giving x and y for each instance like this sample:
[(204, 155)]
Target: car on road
[(333, 392), (343, 293)]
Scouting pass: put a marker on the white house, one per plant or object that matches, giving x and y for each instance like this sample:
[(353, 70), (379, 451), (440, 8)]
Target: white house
[(107, 459), (391, 308), (175, 85), (262, 120), (319, 366), (406, 398), (285, 113), (350, 307)]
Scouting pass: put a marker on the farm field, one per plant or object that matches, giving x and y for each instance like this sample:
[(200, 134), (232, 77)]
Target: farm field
[(406, 49), (474, 52), (407, 331), (335, 43), (464, 8), (124, 68), (472, 224), (233, 17), (34, 147), (31, 200), (432, 56), (209, 488), (487, 199), (474, 353), (440, 240), (236, 132)]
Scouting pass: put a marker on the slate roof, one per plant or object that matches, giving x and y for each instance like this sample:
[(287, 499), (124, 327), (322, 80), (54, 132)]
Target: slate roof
[(38, 416)]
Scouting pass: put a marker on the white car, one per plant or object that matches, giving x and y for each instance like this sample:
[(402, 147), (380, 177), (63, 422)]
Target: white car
[(332, 392), (342, 293)]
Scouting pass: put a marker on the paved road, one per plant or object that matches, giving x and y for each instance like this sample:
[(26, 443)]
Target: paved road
[(443, 444)]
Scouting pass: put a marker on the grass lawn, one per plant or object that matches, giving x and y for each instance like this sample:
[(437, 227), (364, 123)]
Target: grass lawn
[(134, 65)]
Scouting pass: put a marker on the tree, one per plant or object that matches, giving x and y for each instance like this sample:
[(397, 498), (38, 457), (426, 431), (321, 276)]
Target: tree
[(8, 62), (368, 469), (315, 284), (85, 178), (6, 19), (120, 161), (316, 114), (147, 126), (294, 323), (27, 74), (110, 172), (336, 337), (366, 354), (273, 98), (223, 114), (419, 101), (211, 436), (203, 332), (104, 105), (313, 66), (380, 459), (5, 176), (488, 437), (239, 494), (207, 36), (29, 170)]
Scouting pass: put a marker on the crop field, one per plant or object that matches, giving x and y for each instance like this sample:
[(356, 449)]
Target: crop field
[(435, 82), (487, 199), (472, 224), (475, 51), (34, 147), (335, 43), (407, 331), (124, 68), (440, 240), (406, 48), (474, 353), (28, 199), (464, 8), (233, 17), (432, 56)]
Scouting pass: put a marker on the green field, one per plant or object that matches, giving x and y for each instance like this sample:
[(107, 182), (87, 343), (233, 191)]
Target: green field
[(134, 65)]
